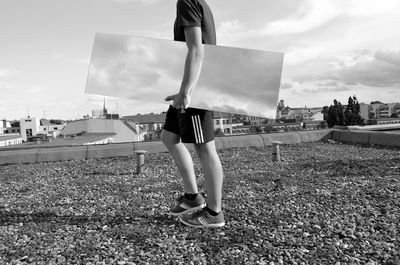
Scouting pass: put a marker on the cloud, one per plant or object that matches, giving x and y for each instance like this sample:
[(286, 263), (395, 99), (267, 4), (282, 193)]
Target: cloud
[(310, 15), (62, 57), (231, 30), (338, 88), (329, 84), (7, 73), (316, 13), (5, 85), (381, 69), (286, 85)]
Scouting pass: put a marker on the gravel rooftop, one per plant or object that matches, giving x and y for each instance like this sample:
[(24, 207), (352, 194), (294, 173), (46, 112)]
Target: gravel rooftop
[(325, 203)]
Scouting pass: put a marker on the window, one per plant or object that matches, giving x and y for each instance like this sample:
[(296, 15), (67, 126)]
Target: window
[(217, 122)]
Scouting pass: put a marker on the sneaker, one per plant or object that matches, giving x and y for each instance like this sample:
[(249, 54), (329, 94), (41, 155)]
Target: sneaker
[(203, 219), (186, 206)]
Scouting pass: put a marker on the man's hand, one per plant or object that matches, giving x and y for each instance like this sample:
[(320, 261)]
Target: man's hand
[(180, 101)]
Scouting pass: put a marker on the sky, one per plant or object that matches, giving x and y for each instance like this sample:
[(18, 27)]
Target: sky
[(234, 80), (333, 49)]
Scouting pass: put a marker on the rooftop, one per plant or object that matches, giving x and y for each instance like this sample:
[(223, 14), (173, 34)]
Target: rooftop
[(325, 203), (147, 118), (60, 141), (5, 137)]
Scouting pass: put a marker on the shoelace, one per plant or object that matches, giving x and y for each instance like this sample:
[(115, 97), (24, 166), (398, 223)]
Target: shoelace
[(197, 214)]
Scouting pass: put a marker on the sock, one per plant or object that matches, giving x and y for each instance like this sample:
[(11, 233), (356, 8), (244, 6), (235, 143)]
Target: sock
[(190, 196), (211, 212)]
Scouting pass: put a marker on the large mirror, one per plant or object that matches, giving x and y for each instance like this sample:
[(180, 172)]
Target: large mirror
[(232, 80)]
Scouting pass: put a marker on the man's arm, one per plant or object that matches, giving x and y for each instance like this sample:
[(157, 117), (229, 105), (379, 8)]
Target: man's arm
[(193, 64)]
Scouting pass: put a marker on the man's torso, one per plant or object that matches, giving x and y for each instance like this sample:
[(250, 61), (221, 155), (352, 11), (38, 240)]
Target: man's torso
[(195, 13)]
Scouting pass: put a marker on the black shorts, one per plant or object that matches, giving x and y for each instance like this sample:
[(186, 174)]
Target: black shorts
[(194, 126)]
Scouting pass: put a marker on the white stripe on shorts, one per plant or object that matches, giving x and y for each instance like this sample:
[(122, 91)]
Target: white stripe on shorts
[(198, 133), (194, 130), (200, 129)]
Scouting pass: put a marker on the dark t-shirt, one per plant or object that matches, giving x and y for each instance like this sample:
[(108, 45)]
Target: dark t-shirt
[(194, 13)]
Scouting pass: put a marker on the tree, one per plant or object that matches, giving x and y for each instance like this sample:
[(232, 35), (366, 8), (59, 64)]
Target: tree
[(15, 124), (352, 112), (336, 115), (338, 108), (255, 129), (371, 115), (325, 111), (268, 128), (219, 132), (331, 119), (396, 110)]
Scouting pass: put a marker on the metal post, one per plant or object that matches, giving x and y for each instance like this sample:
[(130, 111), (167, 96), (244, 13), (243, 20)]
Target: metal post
[(140, 161), (276, 156)]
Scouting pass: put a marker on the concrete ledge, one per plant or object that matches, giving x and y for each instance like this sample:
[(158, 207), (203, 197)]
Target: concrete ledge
[(242, 141), (19, 157), (127, 149), (353, 137), (61, 154), (285, 138), (385, 139), (367, 137), (150, 147), (219, 144), (109, 150), (314, 136), (260, 140)]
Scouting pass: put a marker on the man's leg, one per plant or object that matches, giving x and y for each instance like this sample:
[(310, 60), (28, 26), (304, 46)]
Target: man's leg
[(213, 174), (182, 158)]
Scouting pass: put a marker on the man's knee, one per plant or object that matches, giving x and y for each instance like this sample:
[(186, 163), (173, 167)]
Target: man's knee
[(205, 150)]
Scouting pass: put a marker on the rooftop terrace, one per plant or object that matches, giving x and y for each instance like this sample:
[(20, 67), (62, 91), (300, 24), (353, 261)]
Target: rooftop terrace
[(325, 203)]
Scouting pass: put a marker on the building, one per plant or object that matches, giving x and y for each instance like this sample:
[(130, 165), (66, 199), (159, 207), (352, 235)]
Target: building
[(151, 124), (32, 127), (102, 114), (7, 128), (3, 125), (224, 122), (106, 130), (298, 114), (379, 110)]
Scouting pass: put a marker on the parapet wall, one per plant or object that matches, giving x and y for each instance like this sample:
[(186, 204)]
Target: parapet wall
[(367, 137), (259, 140)]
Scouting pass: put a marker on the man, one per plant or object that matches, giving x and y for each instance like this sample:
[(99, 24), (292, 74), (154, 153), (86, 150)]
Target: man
[(195, 25)]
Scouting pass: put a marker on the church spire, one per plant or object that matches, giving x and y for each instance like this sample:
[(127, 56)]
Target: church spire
[(104, 107)]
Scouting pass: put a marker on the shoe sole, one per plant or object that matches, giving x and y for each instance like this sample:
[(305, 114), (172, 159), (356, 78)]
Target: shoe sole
[(202, 226), (201, 206)]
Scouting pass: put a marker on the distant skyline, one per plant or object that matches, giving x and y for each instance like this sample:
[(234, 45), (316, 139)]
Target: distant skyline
[(333, 49)]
